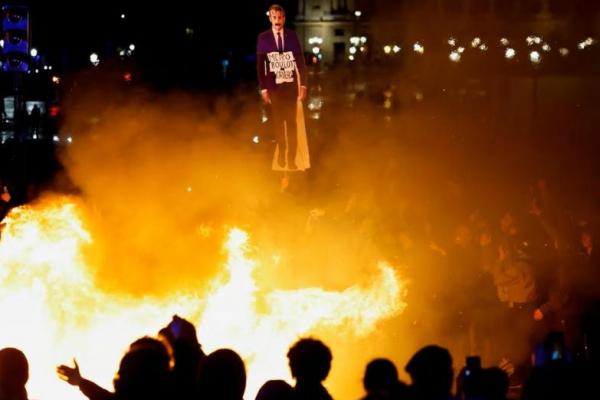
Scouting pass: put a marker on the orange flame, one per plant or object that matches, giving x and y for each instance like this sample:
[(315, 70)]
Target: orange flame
[(52, 309)]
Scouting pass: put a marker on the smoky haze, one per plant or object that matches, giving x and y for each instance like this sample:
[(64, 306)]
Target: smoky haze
[(164, 175)]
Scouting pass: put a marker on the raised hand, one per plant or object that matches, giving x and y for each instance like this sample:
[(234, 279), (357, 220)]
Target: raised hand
[(68, 374)]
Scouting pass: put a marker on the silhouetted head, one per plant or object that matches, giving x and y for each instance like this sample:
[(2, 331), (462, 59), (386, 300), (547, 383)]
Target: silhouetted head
[(223, 376), (185, 349), (144, 371), (310, 360), (381, 375), (275, 390), (14, 372), (431, 371)]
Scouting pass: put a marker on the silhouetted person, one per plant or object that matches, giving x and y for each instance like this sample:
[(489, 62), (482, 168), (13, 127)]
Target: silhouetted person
[(187, 354), (310, 362), (144, 373), (14, 373), (431, 372), (381, 381), (35, 119), (222, 376), (275, 390)]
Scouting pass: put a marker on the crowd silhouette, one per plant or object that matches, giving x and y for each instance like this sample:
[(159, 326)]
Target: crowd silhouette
[(172, 365)]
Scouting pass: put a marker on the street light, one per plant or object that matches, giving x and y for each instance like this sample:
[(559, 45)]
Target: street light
[(535, 57), (94, 59), (454, 56)]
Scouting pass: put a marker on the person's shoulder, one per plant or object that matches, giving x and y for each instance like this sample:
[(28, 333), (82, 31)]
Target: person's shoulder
[(290, 31), (264, 33)]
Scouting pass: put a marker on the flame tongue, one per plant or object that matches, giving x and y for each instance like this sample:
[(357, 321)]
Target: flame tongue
[(52, 309)]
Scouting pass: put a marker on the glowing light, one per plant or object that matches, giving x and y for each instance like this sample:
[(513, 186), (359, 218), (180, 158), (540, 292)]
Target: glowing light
[(546, 47), (510, 53), (256, 139), (483, 47), (387, 49), (55, 79), (587, 42), (535, 57), (475, 42), (316, 50), (55, 138), (131, 47), (189, 189), (454, 56), (1, 42), (35, 136), (355, 40), (564, 51), (532, 39), (94, 59), (122, 53), (315, 40), (352, 50), (351, 57), (357, 13), (45, 68), (504, 41), (70, 139), (460, 50), (396, 48), (122, 16), (33, 52), (418, 48), (452, 41), (363, 39)]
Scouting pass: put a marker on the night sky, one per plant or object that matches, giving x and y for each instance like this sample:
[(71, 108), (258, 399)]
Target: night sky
[(157, 30), (177, 43)]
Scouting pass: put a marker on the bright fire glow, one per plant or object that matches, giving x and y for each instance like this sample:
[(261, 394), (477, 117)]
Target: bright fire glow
[(53, 310)]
